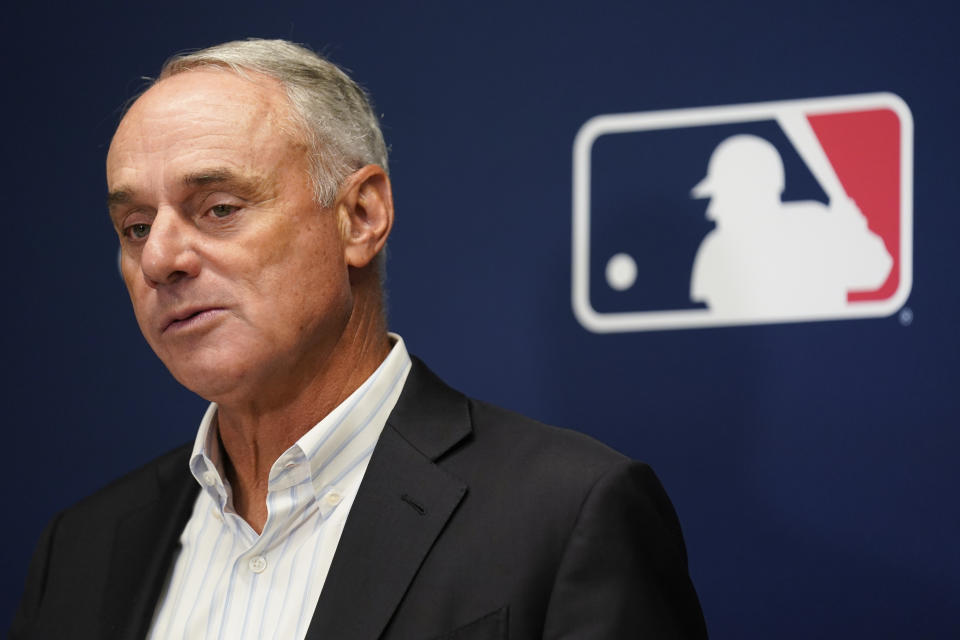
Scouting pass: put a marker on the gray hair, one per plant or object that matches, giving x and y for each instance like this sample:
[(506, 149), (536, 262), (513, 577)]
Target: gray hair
[(342, 130)]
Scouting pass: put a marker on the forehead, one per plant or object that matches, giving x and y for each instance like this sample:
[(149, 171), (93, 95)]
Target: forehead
[(196, 115)]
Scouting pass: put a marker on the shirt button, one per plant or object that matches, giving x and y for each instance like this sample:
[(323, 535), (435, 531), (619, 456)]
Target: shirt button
[(258, 564), (333, 498), (210, 478)]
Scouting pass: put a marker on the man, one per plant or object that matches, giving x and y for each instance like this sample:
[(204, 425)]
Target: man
[(249, 190)]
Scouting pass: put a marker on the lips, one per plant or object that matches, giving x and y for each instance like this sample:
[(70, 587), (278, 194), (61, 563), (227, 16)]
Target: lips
[(188, 317)]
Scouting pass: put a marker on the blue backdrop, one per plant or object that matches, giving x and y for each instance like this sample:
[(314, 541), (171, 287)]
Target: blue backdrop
[(813, 465)]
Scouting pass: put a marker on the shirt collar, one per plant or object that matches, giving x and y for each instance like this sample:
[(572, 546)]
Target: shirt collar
[(205, 462), (331, 448)]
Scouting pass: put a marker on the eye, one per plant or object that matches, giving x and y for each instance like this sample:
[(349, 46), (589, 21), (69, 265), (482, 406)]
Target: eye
[(223, 210), (137, 231)]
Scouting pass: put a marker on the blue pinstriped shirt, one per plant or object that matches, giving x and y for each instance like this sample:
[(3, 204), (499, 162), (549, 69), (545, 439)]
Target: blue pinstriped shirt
[(227, 582)]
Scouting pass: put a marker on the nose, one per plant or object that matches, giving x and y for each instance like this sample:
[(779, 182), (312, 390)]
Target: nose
[(169, 255)]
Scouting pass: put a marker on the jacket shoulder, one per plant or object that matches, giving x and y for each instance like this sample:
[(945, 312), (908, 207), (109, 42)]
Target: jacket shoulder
[(125, 529), (135, 487), (519, 439)]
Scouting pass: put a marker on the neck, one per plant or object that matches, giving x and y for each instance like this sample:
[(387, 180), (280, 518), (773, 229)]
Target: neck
[(255, 432)]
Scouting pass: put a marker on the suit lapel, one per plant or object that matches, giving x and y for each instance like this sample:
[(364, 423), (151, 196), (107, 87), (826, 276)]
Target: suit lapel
[(403, 503), (145, 541)]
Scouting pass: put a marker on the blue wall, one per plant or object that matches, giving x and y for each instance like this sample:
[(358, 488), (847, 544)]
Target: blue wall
[(813, 465)]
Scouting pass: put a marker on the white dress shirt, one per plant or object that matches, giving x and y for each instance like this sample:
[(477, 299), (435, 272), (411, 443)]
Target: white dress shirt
[(228, 582)]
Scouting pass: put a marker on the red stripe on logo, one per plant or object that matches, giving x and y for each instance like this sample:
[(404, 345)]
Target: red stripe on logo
[(864, 149)]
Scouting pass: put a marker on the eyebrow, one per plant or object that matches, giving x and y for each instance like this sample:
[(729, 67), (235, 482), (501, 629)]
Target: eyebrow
[(205, 177), (209, 176), (118, 196)]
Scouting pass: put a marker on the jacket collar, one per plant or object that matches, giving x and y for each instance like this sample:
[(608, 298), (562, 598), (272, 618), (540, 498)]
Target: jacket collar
[(403, 503)]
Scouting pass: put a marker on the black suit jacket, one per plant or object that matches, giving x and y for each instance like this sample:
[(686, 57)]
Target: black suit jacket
[(471, 522)]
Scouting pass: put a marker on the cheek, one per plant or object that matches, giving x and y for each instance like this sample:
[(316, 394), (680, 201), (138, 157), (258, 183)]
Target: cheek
[(143, 301), (307, 290), (303, 262), (290, 292), (138, 293)]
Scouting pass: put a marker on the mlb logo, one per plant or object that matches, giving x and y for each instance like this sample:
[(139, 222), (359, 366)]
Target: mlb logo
[(757, 213)]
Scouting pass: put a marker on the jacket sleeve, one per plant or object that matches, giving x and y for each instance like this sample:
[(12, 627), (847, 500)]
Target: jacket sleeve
[(623, 573)]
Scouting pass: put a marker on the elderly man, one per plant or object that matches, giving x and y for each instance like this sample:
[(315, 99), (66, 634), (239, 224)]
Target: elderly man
[(336, 488)]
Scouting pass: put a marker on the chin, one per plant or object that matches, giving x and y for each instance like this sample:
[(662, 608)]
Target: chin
[(207, 387), (211, 379)]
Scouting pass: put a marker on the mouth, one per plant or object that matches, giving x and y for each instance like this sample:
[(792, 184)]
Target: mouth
[(189, 318)]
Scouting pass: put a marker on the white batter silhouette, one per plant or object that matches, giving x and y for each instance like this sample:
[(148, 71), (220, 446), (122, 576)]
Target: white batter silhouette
[(769, 258)]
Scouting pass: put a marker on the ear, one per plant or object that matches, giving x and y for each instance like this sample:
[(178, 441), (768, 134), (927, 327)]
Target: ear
[(365, 212)]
